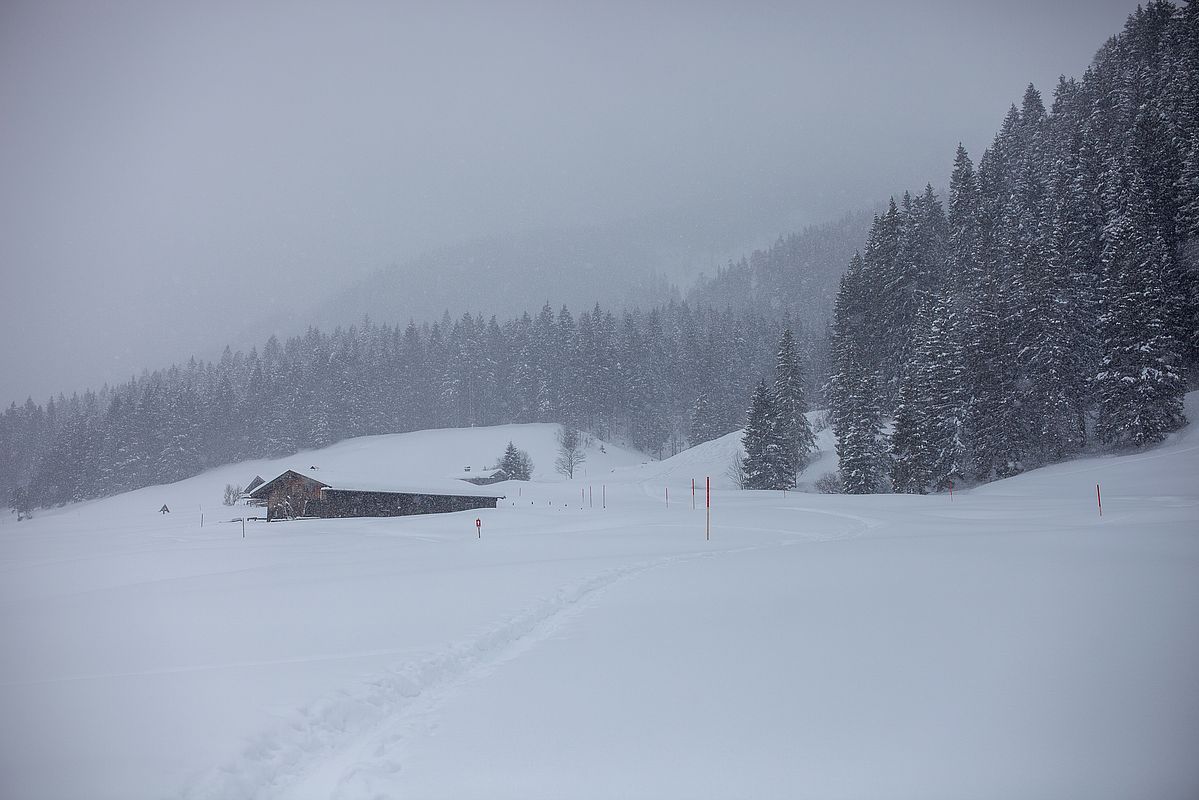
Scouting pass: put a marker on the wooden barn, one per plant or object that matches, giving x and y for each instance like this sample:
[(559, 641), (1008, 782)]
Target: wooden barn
[(316, 493)]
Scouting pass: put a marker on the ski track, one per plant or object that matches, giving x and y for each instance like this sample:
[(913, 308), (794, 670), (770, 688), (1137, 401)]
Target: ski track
[(350, 744)]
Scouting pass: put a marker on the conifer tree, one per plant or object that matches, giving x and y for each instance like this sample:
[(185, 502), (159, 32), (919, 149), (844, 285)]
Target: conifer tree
[(853, 387), (940, 370), (846, 334), (926, 446), (516, 463), (858, 427), (883, 278), (993, 429), (765, 464), (910, 448), (791, 406), (1139, 386)]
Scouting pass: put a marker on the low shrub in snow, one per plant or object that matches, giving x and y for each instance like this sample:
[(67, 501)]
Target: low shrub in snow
[(830, 483)]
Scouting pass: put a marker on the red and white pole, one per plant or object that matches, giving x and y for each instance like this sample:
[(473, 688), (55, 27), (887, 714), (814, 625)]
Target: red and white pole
[(693, 494), (708, 500), (1099, 499)]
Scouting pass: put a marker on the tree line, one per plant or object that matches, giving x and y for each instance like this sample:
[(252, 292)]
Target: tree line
[(639, 375)]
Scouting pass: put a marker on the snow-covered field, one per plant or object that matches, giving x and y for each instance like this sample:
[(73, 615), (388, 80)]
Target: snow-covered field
[(1006, 643)]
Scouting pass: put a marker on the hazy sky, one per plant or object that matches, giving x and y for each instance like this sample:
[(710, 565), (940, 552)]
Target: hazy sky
[(167, 169)]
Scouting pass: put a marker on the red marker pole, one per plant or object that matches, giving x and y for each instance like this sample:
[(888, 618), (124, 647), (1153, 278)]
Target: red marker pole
[(951, 491), (693, 494), (590, 498), (479, 527), (1099, 499), (708, 528), (603, 495), (668, 497)]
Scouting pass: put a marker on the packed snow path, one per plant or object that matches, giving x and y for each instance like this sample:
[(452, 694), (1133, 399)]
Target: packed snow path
[(1007, 643)]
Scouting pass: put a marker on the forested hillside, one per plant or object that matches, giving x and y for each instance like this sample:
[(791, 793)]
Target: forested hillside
[(797, 276), (1053, 305), (678, 374), (636, 375)]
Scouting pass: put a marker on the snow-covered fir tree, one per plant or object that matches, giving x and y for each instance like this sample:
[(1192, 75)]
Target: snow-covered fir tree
[(765, 464), (858, 425), (1139, 386), (789, 399), (926, 444), (516, 463), (940, 371)]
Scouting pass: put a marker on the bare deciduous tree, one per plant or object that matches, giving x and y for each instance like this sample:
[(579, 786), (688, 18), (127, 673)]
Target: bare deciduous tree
[(570, 452), (736, 469)]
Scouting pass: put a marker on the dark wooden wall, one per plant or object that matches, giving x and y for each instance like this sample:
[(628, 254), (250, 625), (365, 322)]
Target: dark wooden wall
[(347, 503)]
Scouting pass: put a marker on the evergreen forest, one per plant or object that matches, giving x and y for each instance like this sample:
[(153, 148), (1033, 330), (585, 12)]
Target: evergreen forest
[(1051, 305)]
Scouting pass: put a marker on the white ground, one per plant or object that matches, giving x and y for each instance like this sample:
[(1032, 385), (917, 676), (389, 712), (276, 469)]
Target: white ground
[(1007, 643)]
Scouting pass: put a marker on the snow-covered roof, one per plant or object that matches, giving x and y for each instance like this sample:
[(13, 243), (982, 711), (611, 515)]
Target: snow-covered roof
[(481, 472), (348, 481)]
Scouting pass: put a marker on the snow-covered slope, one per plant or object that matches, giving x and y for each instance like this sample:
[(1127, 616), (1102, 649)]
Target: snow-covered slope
[(421, 458), (715, 459), (1006, 642)]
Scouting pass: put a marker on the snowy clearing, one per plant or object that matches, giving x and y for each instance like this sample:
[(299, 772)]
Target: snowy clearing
[(1009, 642)]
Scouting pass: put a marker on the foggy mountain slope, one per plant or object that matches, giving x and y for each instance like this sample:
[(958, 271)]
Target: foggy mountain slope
[(797, 276), (627, 264), (743, 260), (506, 277)]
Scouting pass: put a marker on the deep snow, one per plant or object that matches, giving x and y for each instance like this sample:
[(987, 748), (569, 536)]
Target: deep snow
[(1008, 642)]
